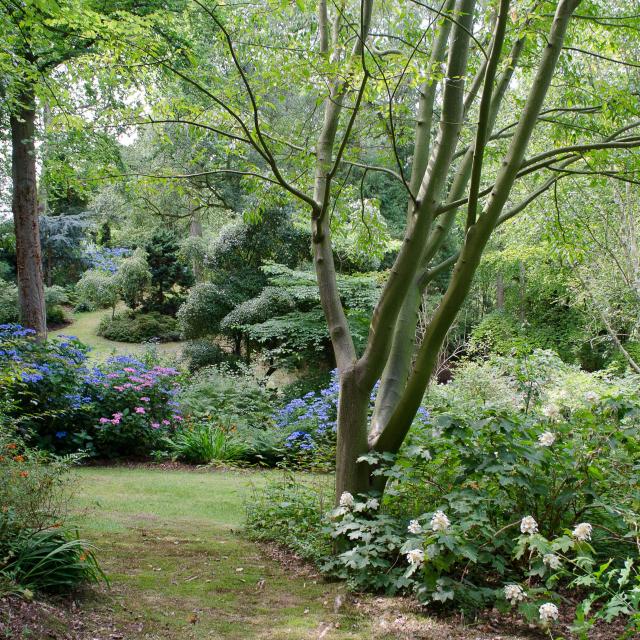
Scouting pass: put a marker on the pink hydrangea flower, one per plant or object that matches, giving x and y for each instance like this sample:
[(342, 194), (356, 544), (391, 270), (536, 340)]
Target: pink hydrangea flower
[(155, 425), (140, 410), (104, 420), (165, 422), (129, 370), (145, 399)]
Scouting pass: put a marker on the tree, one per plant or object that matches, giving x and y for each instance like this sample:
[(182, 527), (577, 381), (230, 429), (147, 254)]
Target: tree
[(134, 278), (166, 269), (468, 170), (39, 41)]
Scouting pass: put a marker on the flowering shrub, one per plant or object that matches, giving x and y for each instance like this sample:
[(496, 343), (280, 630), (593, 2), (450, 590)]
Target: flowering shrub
[(308, 425), (136, 406), (37, 552), (122, 407), (490, 512)]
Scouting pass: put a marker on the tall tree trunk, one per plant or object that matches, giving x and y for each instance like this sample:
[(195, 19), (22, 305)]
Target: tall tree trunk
[(25, 215)]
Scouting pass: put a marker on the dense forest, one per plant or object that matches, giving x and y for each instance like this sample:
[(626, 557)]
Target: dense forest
[(382, 258)]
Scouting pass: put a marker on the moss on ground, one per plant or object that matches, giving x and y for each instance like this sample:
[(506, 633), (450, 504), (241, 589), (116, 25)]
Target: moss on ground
[(179, 567)]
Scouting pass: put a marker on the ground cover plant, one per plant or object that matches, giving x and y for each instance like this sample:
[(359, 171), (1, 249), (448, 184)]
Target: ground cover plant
[(40, 550), (518, 496)]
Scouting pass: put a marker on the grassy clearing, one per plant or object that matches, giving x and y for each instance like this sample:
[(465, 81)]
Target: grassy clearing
[(85, 327), (179, 567)]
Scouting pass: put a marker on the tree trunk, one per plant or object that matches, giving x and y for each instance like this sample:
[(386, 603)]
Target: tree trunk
[(353, 410), (25, 215)]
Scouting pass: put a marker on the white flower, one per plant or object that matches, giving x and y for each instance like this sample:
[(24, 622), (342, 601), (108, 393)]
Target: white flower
[(528, 525), (372, 503), (582, 531), (552, 560), (548, 612), (439, 521), (415, 557), (514, 593), (546, 439), (591, 397), (346, 500), (414, 527), (551, 411)]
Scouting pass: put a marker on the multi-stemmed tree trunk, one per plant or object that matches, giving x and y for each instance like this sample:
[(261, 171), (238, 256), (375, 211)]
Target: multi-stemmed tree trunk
[(390, 353), (449, 185), (25, 214)]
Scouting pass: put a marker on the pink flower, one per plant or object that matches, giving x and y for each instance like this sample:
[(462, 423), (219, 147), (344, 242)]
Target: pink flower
[(129, 370), (155, 425), (117, 415), (112, 375), (145, 399), (178, 418), (119, 388), (165, 422), (104, 420), (140, 410), (115, 421)]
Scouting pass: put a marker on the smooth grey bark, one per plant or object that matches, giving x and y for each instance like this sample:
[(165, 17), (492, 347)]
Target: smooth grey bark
[(24, 206), (393, 434)]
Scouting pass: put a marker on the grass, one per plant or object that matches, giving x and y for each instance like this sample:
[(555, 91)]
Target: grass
[(172, 546), (85, 326)]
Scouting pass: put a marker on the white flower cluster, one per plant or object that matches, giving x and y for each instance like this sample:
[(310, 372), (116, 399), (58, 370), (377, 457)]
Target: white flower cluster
[(552, 560), (414, 527), (582, 531), (546, 439), (548, 612), (514, 593), (415, 557), (552, 411), (439, 521), (347, 500), (591, 397), (528, 525)]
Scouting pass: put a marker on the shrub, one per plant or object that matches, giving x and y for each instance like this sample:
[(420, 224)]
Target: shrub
[(204, 353), (139, 327), (8, 302), (37, 551), (97, 288), (203, 310), (228, 396), (134, 278), (121, 407)]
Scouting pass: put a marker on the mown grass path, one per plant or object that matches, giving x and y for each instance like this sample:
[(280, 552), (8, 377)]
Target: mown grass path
[(172, 546), (85, 327)]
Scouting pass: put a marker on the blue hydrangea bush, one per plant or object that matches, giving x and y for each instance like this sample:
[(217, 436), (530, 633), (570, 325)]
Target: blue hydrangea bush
[(62, 402)]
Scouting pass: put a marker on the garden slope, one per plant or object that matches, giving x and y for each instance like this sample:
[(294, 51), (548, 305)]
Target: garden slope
[(179, 568)]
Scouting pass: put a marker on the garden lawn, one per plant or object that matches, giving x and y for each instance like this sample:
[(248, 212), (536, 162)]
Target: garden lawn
[(85, 327), (180, 568), (172, 546)]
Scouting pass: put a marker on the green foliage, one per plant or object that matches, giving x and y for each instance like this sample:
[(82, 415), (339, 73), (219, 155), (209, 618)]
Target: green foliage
[(290, 512), (134, 279), (136, 327), (204, 442), (203, 310), (205, 353), (232, 397), (168, 274), (39, 553), (98, 288), (53, 561), (8, 302)]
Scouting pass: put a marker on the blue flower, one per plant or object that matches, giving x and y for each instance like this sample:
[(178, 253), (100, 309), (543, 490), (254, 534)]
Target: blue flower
[(61, 434)]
